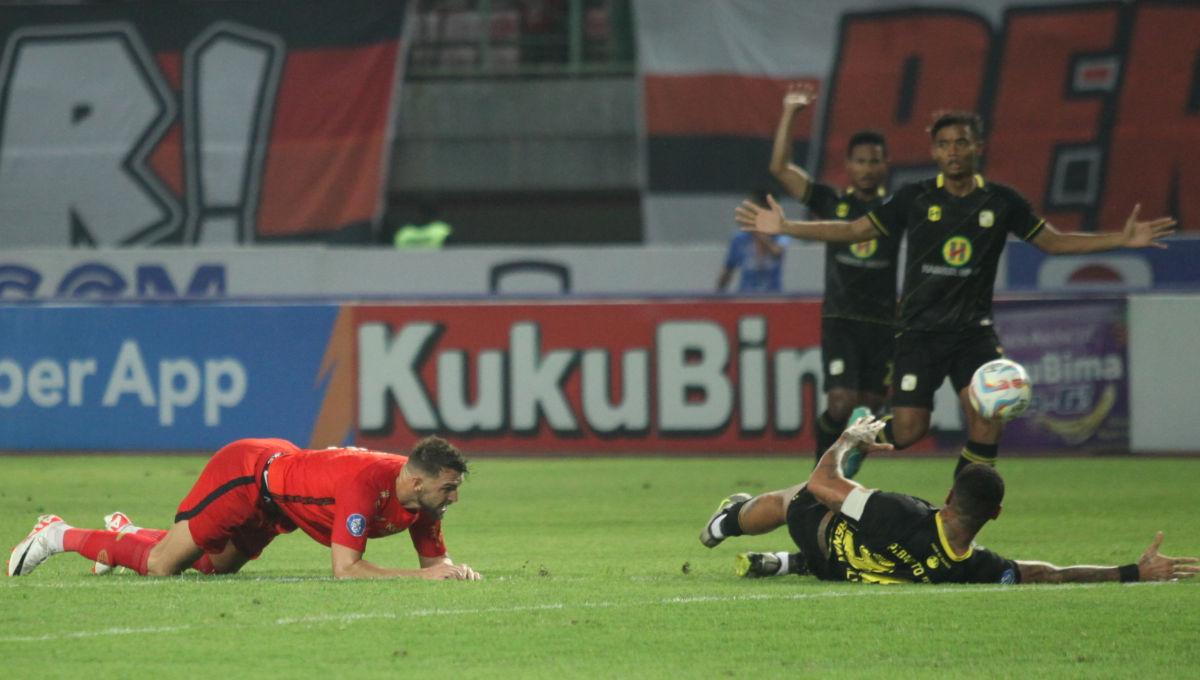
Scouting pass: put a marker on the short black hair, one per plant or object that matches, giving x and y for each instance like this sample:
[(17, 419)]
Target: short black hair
[(978, 492), (971, 120), (869, 137), (433, 454)]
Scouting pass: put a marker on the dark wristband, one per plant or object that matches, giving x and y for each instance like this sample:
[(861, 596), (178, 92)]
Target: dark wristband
[(1129, 573)]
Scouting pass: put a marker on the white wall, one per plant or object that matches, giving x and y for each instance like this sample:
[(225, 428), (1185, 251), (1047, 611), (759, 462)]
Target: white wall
[(1164, 370)]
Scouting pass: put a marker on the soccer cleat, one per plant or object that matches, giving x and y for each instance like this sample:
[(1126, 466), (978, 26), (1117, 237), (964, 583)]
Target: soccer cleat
[(36, 548), (762, 565), (119, 522), (756, 565), (706, 536), (853, 460)]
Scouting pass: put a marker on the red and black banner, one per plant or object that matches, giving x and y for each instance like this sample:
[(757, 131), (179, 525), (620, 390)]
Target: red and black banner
[(1090, 108), (196, 123)]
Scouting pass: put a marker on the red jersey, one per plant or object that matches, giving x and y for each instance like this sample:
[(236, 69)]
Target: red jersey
[(346, 496)]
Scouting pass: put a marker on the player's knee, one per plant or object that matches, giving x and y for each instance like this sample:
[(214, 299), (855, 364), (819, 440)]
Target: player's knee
[(157, 565), (839, 405)]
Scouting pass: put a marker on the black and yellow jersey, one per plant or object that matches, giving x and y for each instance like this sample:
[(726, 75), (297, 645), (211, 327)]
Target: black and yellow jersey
[(954, 247), (900, 539), (860, 278)]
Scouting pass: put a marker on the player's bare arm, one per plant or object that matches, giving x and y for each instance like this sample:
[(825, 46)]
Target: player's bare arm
[(1136, 234), (1152, 566), (771, 221), (827, 483), (349, 564), (793, 177)]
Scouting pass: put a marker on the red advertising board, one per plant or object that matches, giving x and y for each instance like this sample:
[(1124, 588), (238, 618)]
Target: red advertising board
[(633, 376)]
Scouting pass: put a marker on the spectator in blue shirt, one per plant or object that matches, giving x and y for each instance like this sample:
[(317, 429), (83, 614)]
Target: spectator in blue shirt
[(759, 258)]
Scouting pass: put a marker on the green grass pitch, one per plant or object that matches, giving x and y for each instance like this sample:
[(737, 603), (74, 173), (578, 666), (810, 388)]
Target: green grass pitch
[(593, 569)]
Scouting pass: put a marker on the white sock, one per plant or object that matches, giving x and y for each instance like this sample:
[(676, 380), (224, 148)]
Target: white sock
[(715, 527), (54, 535), (784, 562)]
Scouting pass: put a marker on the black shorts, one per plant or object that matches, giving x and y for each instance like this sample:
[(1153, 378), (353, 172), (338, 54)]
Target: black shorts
[(857, 355), (804, 515), (924, 359)]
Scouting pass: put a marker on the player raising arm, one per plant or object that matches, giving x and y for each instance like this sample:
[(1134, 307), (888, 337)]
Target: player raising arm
[(858, 311), (847, 532), (255, 489), (956, 225)]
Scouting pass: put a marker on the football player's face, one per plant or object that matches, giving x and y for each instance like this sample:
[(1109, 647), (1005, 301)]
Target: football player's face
[(437, 493), (867, 167), (956, 151)]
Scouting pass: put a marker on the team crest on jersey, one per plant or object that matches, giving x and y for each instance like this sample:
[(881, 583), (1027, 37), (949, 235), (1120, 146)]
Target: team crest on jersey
[(933, 562), (843, 209), (935, 213), (986, 218), (957, 251), (356, 524), (864, 249)]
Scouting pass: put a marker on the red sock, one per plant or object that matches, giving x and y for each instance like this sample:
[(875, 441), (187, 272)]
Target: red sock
[(126, 550)]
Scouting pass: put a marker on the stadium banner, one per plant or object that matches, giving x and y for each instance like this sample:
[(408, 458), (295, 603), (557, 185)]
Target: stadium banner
[(594, 377), (306, 272), (1061, 85), (292, 271), (1077, 356), (1172, 268), (165, 377), (140, 123)]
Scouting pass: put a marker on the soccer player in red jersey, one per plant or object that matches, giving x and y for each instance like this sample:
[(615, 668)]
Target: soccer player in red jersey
[(255, 489)]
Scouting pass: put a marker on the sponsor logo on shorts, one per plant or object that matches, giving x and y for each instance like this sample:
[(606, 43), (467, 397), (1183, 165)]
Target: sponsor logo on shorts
[(842, 209), (908, 383), (935, 213), (837, 367), (356, 524), (986, 218), (1009, 577)]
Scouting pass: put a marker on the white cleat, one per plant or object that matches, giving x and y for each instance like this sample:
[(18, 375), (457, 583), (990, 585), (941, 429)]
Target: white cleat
[(120, 523), (37, 546)]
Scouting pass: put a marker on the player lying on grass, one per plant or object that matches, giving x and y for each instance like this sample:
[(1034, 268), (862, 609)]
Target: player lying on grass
[(847, 532), (255, 489)]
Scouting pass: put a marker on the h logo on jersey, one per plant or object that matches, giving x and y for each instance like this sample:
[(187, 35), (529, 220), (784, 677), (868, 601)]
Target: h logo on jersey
[(935, 213), (843, 209), (864, 249), (957, 251), (986, 218)]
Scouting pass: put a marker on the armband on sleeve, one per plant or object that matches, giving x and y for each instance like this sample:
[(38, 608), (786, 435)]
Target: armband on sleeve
[(856, 502)]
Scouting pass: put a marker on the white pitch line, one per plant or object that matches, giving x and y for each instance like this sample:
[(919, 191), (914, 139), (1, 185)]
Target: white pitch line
[(343, 619)]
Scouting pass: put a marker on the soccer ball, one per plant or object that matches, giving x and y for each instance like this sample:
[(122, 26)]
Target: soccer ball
[(1000, 390)]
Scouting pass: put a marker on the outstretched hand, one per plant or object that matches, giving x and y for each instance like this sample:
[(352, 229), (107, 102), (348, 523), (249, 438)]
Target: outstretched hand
[(1154, 566), (758, 219), (861, 434), (1147, 234), (799, 96)]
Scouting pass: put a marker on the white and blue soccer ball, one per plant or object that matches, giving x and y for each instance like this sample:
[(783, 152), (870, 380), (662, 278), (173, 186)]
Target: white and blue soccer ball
[(1000, 390)]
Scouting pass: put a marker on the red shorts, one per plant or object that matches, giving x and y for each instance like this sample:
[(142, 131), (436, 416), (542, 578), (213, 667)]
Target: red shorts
[(225, 504)]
